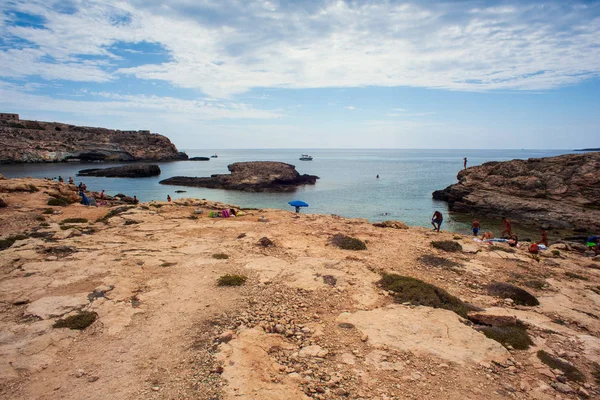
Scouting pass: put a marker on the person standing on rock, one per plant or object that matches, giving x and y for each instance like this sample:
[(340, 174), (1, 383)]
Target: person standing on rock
[(437, 218), (544, 238), (465, 162), (507, 227), (168, 198), (475, 227)]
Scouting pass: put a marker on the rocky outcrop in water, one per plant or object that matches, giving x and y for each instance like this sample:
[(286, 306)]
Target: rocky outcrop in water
[(125, 171), (255, 176), (36, 142), (561, 191)]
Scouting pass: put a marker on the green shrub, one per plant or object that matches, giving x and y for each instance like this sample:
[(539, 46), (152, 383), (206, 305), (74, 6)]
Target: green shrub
[(514, 336), (571, 372), (114, 212), (518, 295), (74, 221), (220, 256), (48, 211), (231, 280), (447, 245), (576, 276), (58, 201), (556, 253), (417, 292), (9, 241), (440, 262), (39, 218), (79, 321), (45, 224), (348, 243)]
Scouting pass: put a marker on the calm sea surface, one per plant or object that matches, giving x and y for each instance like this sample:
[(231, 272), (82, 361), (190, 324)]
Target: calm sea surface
[(348, 184)]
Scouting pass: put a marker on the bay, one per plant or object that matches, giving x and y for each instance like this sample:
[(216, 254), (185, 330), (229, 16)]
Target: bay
[(348, 186)]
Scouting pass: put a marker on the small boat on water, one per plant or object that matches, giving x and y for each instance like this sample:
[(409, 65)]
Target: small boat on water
[(305, 157), (214, 156)]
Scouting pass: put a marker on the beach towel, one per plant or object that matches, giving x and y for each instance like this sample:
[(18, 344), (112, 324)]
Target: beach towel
[(225, 213)]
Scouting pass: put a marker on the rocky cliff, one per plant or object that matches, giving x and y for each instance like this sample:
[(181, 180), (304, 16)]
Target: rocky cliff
[(561, 191), (255, 176), (36, 141)]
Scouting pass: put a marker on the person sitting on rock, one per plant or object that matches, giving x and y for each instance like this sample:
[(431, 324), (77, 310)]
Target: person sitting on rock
[(513, 241), (102, 194), (437, 218), (135, 199), (544, 238), (487, 235), (507, 227), (60, 179), (71, 181), (168, 198)]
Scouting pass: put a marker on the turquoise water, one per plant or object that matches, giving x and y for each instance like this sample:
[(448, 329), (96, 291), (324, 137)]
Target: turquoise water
[(348, 184)]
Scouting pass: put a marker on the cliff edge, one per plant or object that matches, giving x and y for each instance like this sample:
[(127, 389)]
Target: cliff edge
[(561, 191), (37, 141)]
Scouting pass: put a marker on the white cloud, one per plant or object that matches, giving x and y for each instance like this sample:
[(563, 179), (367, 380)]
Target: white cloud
[(351, 108), (243, 45)]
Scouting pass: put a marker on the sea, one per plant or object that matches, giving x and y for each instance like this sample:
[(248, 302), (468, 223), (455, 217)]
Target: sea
[(348, 184)]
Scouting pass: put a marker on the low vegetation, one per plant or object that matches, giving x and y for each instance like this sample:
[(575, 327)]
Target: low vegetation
[(440, 262), (571, 372), (508, 291), (556, 253), (348, 243), (417, 292), (114, 212), (576, 276), (58, 201), (9, 241), (167, 264), (74, 221), (509, 336), (231, 280), (220, 256), (447, 245), (79, 321), (48, 211)]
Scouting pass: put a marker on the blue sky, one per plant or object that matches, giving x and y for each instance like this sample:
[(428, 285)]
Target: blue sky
[(310, 74)]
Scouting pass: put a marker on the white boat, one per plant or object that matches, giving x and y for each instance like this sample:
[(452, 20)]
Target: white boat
[(214, 156), (305, 157)]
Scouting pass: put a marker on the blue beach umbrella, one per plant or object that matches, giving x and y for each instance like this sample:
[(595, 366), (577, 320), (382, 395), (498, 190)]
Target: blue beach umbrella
[(298, 204)]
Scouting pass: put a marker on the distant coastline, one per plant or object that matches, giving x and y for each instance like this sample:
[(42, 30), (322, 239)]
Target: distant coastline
[(591, 149)]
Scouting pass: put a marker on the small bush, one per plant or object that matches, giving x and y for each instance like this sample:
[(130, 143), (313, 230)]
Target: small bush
[(16, 125), (40, 218), (440, 262), (58, 201), (74, 221), (220, 256), (447, 245), (79, 321), (9, 241), (48, 211), (571, 372), (556, 253), (114, 212), (576, 276), (167, 264), (535, 284), (44, 224), (514, 336), (231, 280), (66, 227), (421, 293), (518, 295), (348, 243), (266, 242), (500, 248)]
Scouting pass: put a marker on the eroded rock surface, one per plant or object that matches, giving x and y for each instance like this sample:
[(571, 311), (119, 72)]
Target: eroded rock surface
[(124, 171), (255, 176), (561, 191)]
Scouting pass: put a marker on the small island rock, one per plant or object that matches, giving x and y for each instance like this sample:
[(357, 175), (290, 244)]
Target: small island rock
[(125, 171)]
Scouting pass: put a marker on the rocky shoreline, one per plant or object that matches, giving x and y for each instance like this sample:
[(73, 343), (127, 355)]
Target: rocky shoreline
[(557, 192), (139, 287), (27, 141), (254, 176)]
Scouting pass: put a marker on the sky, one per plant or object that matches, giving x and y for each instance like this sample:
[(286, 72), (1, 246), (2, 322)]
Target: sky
[(310, 74)]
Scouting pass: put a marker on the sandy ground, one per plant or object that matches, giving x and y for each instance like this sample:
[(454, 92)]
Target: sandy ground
[(310, 321)]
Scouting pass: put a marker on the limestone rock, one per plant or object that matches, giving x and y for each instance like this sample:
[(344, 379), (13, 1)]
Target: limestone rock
[(424, 330), (255, 176), (562, 192), (125, 171), (56, 306), (391, 224), (313, 351)]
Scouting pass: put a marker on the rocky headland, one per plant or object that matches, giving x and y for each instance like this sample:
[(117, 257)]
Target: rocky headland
[(160, 301), (124, 171), (254, 176), (561, 192), (37, 142)]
